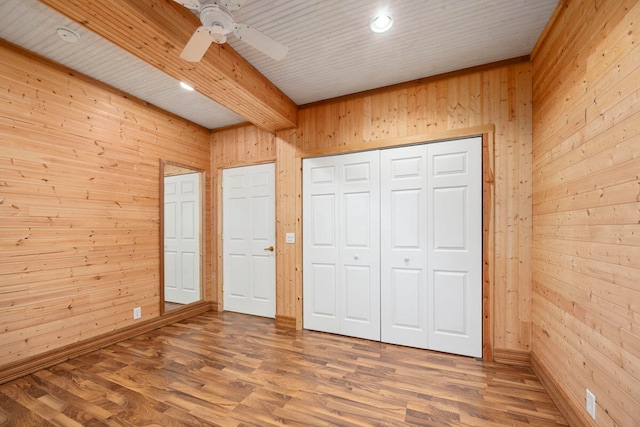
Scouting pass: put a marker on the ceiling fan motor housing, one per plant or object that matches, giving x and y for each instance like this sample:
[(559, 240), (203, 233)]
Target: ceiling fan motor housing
[(218, 21)]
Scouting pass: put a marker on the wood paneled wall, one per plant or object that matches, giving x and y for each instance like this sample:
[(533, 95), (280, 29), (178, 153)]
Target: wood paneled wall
[(79, 204), (586, 209), (494, 99)]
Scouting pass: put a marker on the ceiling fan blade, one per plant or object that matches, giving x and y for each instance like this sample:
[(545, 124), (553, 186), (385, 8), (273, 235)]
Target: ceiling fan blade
[(189, 4), (260, 41), (197, 45)]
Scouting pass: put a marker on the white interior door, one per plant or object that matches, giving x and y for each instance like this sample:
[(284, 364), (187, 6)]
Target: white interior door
[(182, 238), (341, 248), (454, 220), (248, 239)]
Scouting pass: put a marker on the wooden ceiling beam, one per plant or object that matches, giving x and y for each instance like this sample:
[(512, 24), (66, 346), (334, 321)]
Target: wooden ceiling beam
[(156, 31)]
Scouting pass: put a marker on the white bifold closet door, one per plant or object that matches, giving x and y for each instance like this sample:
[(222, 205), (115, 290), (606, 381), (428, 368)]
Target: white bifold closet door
[(421, 225), (431, 246), (341, 244)]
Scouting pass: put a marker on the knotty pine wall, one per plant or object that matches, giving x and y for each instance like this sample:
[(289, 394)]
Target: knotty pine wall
[(586, 209), (493, 99), (79, 204)]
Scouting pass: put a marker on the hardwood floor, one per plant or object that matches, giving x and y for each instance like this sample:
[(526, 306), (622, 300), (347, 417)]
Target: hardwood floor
[(227, 369)]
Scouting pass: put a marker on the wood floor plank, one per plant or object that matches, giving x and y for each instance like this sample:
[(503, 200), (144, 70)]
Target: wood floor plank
[(231, 370), (13, 413), (91, 403)]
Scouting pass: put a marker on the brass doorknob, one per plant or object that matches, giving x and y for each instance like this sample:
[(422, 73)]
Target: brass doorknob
[(270, 248)]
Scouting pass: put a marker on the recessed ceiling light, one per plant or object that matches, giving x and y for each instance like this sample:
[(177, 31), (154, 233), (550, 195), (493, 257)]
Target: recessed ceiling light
[(185, 86), (381, 22), (67, 34)]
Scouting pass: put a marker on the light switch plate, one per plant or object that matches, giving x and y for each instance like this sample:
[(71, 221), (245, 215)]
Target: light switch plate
[(290, 237), (591, 404)]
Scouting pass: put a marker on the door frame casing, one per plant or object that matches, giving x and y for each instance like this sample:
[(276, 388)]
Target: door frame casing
[(487, 133), (219, 304)]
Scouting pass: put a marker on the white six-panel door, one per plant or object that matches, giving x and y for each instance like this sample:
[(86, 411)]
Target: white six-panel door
[(403, 241), (430, 253), (182, 238), (248, 239), (454, 218), (431, 246), (341, 245)]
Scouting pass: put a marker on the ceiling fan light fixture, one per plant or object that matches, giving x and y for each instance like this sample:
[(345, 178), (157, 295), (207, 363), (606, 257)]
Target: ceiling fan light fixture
[(381, 22), (218, 34)]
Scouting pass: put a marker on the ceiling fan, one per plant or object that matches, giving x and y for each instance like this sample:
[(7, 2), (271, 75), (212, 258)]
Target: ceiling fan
[(217, 23)]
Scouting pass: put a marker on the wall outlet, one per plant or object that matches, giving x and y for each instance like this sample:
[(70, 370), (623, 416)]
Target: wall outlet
[(137, 313), (591, 404)]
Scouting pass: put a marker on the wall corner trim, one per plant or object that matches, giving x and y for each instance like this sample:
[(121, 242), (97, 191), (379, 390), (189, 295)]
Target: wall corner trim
[(509, 356), (286, 321)]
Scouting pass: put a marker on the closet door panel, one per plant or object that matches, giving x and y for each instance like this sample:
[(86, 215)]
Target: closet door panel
[(403, 246), (454, 220), (321, 268), (341, 249), (360, 250)]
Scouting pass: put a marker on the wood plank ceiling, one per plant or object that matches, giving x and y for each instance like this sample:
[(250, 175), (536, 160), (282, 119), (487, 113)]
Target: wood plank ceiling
[(156, 30), (134, 46)]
